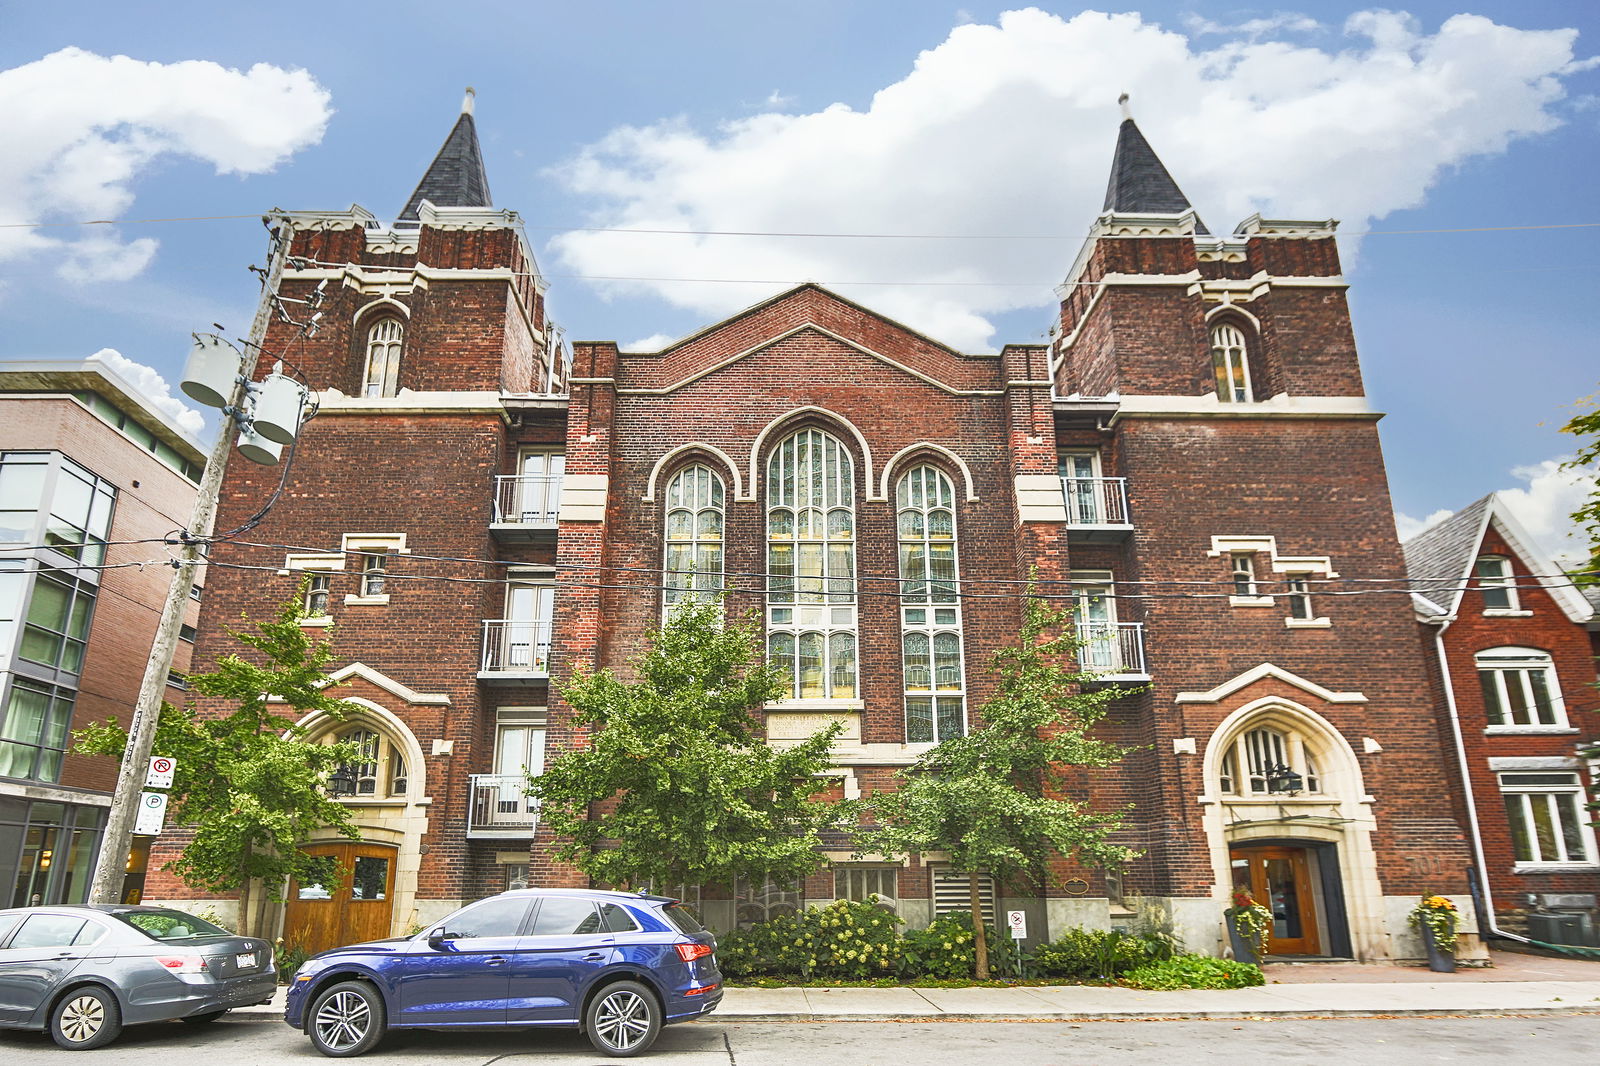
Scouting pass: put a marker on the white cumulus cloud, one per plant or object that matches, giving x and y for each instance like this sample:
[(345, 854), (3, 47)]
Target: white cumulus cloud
[(1008, 129), (153, 389), (1408, 527), (79, 129), (1544, 504)]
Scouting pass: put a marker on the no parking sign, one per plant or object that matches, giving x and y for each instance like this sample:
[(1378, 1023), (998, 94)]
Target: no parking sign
[(160, 773)]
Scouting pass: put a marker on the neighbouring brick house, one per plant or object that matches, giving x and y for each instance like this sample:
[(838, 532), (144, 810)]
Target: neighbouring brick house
[(1191, 463), (1511, 648), (92, 477)]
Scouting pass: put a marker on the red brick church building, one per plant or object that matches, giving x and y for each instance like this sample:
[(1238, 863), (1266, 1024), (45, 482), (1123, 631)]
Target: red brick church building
[(1191, 460)]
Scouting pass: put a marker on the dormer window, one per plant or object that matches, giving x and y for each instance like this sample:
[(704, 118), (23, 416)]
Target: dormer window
[(384, 341), (1228, 364), (1496, 582)]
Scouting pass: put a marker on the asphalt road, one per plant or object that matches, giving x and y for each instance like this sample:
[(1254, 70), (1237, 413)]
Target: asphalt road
[(1367, 1042)]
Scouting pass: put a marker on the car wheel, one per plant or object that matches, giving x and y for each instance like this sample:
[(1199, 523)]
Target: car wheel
[(347, 1019), (205, 1019), (623, 1019), (86, 1017)]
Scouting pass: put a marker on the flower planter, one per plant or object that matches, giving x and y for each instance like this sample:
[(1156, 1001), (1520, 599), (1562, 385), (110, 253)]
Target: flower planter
[(1438, 961), (1242, 951)]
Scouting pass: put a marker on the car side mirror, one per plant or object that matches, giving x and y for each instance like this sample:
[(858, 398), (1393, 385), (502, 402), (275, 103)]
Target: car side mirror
[(438, 937)]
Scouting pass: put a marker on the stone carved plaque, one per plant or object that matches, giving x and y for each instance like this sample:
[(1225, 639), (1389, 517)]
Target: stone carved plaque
[(798, 725), (1076, 886)]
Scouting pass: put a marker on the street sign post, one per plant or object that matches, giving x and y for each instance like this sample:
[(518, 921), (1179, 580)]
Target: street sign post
[(152, 813), (160, 773)]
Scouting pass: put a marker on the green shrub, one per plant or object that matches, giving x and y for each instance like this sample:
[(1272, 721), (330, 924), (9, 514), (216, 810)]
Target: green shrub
[(947, 948), (842, 940), (1195, 971), (1098, 954), (290, 956)]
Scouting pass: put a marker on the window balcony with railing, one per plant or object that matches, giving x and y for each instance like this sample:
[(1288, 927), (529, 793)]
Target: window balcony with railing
[(1097, 509), (527, 507), (1114, 650), (515, 650), (501, 807)]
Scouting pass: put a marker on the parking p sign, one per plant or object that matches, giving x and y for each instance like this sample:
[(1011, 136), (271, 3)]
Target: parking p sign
[(160, 773), (152, 813)]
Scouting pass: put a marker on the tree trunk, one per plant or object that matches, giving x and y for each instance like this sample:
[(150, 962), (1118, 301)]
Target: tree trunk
[(978, 926), (244, 903)]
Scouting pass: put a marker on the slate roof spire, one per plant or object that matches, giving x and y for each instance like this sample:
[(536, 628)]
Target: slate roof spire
[(455, 178), (1139, 184)]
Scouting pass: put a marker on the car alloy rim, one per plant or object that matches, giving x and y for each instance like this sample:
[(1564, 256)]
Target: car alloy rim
[(622, 1020), (342, 1020), (82, 1018)]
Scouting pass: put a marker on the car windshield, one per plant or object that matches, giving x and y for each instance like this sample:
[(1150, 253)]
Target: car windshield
[(170, 925)]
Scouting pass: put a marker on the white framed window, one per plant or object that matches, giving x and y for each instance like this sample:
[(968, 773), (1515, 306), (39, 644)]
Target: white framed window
[(316, 599), (520, 642), (1549, 826), (1229, 364), (1242, 571), (811, 584), (1267, 755), (535, 492), (1081, 487), (374, 573), (858, 882), (1520, 691), (694, 535), (1497, 583), (385, 338), (1094, 621), (930, 608)]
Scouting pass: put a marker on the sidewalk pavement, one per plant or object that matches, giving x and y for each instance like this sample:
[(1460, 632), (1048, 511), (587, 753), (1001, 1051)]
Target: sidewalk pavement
[(1517, 984)]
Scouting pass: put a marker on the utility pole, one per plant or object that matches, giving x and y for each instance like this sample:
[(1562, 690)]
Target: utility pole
[(111, 867)]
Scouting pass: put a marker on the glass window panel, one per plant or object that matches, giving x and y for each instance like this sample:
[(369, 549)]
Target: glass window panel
[(810, 665), (842, 648), (680, 525), (1571, 823), (370, 879), (919, 720), (1544, 830), (1517, 696), (500, 916), (1517, 815), (780, 647), (1544, 709), (950, 723), (947, 661), (1489, 681)]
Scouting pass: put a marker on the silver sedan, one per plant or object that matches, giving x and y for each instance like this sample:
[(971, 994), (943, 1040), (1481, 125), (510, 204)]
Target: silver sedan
[(83, 972)]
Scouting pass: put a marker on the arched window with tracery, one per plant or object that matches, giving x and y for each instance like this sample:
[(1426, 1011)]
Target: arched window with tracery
[(811, 585), (1230, 363), (1272, 760), (694, 535), (380, 766), (930, 608), (385, 338)]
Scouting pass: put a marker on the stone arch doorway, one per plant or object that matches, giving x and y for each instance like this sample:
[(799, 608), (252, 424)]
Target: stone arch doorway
[(1288, 817), (355, 904)]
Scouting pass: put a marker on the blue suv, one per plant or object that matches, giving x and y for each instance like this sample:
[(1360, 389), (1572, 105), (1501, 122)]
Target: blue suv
[(617, 965)]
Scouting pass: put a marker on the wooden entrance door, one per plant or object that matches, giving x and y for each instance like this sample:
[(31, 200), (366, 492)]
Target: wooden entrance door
[(1279, 878), (356, 905)]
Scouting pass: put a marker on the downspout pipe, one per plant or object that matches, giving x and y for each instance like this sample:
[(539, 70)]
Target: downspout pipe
[(1487, 919)]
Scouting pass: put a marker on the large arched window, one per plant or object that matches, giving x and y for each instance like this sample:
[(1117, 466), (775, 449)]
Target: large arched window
[(380, 769), (1229, 364), (694, 535), (930, 611), (811, 586), (384, 341), (1268, 760)]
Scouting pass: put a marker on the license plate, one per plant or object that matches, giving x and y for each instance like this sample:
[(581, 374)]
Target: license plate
[(246, 961)]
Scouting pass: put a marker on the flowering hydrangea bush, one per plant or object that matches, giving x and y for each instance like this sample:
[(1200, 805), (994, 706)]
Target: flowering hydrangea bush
[(842, 940)]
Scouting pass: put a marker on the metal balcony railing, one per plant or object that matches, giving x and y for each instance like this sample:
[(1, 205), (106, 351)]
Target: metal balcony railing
[(1095, 501), (501, 806), (1115, 649), (527, 499), (513, 646)]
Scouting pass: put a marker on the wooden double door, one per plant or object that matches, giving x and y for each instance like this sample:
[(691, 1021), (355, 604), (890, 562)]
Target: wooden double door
[(356, 904), (1280, 878)]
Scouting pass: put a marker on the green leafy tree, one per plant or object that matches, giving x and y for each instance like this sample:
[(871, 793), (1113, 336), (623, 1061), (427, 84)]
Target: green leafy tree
[(994, 799), (1586, 427), (677, 784), (247, 782)]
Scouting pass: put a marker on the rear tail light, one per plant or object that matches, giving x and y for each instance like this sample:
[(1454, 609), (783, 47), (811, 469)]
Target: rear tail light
[(690, 952), (701, 990), (183, 963)]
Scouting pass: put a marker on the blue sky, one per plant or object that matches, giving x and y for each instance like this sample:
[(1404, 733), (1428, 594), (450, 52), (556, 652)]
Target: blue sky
[(836, 117)]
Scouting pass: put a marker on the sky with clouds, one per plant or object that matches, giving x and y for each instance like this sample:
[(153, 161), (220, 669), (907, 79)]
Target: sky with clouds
[(1454, 141)]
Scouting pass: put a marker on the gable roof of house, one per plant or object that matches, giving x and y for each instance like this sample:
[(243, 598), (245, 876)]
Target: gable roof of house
[(1439, 561)]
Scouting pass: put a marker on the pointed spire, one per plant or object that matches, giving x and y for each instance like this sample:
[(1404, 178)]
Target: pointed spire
[(1139, 184), (455, 178)]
